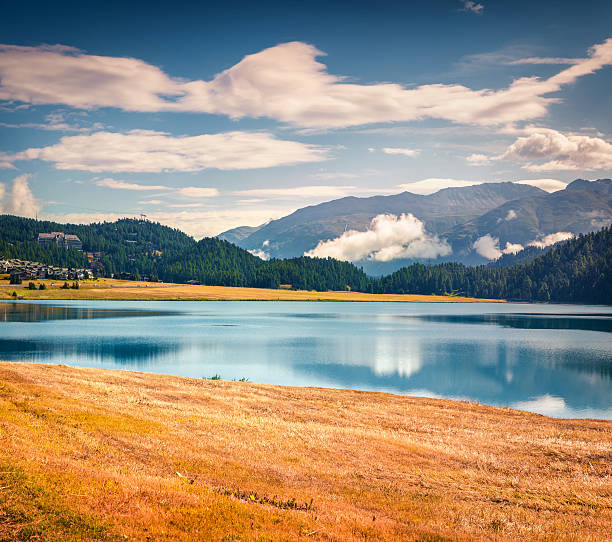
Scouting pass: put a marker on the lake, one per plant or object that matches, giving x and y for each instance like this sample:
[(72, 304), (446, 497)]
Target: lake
[(550, 359)]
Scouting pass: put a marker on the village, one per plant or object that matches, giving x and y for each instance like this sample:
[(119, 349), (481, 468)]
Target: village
[(20, 270)]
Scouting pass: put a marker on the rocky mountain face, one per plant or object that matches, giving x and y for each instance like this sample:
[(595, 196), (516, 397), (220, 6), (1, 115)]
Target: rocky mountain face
[(510, 214)]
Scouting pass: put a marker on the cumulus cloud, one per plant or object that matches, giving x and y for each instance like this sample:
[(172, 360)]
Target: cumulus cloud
[(405, 152), (18, 199), (388, 237), (548, 185), (260, 253), (284, 82), (551, 239), (550, 150), (429, 186), (488, 247), (512, 248), (153, 152)]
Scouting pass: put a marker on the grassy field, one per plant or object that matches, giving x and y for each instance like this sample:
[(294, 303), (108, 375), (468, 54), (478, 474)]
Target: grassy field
[(109, 455), (130, 290)]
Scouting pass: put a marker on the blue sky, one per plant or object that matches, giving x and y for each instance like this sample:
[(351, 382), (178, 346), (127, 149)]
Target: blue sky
[(209, 117)]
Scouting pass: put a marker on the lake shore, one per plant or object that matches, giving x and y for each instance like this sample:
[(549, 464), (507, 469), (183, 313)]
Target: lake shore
[(155, 291), (95, 454)]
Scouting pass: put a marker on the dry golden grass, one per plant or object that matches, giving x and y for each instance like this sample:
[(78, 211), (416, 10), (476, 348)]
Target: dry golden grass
[(129, 290), (103, 455)]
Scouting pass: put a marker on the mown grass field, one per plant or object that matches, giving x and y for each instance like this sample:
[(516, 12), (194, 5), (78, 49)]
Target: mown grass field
[(130, 290), (109, 455)]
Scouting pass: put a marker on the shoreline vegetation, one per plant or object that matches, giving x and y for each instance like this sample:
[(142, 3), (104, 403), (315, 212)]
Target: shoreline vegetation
[(122, 290), (97, 454)]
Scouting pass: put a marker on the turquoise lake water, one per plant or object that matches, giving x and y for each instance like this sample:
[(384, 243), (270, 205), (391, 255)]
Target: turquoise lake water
[(550, 359)]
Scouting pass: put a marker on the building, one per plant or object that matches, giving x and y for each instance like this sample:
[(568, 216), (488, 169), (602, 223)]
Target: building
[(66, 240)]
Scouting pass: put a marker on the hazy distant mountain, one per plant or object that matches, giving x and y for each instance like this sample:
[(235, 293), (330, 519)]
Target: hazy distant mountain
[(506, 212), (300, 231)]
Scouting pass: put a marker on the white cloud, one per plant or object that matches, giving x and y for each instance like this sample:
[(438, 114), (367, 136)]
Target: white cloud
[(19, 200), (63, 75), (260, 254), (488, 247), (560, 151), (511, 215), (122, 185), (549, 185), (284, 82), (544, 60), (187, 191), (513, 248), (405, 152), (196, 192), (315, 191), (477, 159), (153, 152), (474, 7), (429, 186), (551, 239), (388, 238)]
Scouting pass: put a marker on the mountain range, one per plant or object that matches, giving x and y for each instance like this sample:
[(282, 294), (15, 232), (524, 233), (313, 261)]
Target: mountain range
[(471, 225)]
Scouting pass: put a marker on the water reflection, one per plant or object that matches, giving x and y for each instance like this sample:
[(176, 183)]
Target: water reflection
[(587, 322), (551, 359), (34, 312), (128, 351)]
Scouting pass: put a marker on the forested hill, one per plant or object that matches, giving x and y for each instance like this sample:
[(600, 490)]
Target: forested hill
[(127, 245), (575, 271), (216, 262)]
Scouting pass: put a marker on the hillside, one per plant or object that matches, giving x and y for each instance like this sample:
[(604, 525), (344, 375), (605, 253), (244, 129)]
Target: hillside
[(216, 262)]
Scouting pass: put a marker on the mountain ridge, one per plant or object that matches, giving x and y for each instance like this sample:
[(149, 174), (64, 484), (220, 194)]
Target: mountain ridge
[(508, 212)]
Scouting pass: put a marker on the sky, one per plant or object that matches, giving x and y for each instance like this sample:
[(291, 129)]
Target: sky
[(207, 117)]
